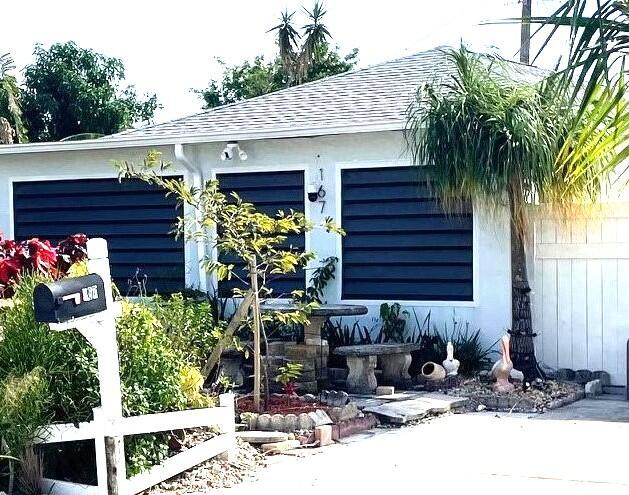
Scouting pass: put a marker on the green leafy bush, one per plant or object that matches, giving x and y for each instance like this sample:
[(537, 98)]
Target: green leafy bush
[(191, 326), (154, 363), (23, 409), (149, 365)]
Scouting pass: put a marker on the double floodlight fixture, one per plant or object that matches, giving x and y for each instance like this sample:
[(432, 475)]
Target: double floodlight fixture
[(231, 149)]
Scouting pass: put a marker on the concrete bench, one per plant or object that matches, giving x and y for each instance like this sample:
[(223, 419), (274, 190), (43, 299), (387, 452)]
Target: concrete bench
[(395, 359)]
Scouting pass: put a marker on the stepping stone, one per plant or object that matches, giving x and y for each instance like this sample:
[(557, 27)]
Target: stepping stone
[(363, 403), (262, 436), (277, 447), (399, 412), (453, 401)]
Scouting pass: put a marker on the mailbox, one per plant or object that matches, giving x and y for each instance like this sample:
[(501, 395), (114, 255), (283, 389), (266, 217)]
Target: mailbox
[(62, 301)]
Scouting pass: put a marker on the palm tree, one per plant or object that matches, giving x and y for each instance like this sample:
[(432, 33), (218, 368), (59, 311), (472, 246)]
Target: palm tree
[(297, 60), (489, 137), (10, 101)]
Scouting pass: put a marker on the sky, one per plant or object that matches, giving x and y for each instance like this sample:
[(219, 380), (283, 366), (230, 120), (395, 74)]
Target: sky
[(170, 47)]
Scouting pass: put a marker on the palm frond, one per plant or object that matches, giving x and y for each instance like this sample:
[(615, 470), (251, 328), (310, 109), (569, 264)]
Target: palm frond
[(488, 137), (10, 96), (287, 38)]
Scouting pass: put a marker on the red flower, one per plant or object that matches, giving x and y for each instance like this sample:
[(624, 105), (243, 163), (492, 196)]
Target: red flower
[(11, 248), (9, 270), (43, 255)]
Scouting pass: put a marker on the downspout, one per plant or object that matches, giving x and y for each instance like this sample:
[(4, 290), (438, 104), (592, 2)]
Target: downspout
[(196, 174)]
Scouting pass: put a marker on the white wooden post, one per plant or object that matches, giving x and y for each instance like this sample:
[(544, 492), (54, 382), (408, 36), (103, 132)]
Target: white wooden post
[(106, 345), (228, 401)]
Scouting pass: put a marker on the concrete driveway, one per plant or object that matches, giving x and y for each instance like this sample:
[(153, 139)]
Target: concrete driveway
[(558, 453)]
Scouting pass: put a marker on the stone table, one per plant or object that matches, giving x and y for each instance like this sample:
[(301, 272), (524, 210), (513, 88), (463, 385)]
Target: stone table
[(318, 316), (395, 360), (313, 352)]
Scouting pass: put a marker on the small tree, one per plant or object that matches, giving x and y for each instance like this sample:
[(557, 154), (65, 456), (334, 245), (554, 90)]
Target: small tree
[(488, 136), (234, 227)]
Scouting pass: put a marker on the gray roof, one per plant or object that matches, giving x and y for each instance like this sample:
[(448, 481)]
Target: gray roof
[(376, 97)]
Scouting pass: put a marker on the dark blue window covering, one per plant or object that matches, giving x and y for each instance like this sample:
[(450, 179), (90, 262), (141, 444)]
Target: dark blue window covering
[(134, 217), (269, 192), (400, 245)]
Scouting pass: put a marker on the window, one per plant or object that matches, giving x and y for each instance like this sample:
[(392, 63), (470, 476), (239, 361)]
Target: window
[(269, 192), (134, 217), (400, 245)]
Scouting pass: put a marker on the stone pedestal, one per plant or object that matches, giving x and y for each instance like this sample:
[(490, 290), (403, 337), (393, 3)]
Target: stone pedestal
[(361, 378), (395, 368)]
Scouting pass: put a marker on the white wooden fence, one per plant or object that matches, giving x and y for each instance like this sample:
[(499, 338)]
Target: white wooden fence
[(221, 417), (580, 281)]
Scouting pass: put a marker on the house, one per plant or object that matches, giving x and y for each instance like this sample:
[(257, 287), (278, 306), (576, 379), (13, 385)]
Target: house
[(343, 137)]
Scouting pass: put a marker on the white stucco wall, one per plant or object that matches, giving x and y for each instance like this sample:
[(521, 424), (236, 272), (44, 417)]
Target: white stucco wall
[(318, 157)]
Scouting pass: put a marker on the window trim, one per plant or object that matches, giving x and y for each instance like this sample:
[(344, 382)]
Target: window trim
[(367, 164), (244, 169)]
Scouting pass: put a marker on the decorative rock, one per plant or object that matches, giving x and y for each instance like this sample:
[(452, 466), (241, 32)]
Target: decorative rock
[(385, 390), (309, 398), (264, 422), (583, 376), (337, 398), (348, 411), (262, 436), (277, 447), (277, 422), (305, 422), (319, 418), (603, 377), (290, 423), (323, 435), (593, 388), (565, 375), (516, 375)]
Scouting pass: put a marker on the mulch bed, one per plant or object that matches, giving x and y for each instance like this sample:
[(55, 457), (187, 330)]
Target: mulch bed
[(534, 399), (279, 405)]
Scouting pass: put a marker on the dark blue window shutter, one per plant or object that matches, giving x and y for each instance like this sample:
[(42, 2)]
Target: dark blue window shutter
[(269, 192), (400, 244), (134, 217)]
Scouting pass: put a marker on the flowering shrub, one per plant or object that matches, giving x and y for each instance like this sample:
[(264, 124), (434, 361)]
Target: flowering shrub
[(36, 256)]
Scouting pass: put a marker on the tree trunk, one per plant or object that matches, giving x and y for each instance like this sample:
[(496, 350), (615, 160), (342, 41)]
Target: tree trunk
[(522, 347)]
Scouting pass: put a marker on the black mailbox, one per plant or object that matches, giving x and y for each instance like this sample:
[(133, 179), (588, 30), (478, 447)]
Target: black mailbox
[(69, 298)]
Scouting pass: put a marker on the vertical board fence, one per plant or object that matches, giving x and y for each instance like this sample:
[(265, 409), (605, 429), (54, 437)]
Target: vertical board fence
[(580, 281)]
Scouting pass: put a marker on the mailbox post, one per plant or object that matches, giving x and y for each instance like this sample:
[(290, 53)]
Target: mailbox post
[(86, 304)]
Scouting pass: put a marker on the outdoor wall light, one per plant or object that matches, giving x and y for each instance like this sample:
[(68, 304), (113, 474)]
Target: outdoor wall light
[(231, 149)]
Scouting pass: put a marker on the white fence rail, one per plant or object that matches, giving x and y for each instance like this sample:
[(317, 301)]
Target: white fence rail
[(222, 418)]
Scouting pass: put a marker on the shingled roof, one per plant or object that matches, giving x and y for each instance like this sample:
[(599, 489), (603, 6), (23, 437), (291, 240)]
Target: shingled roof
[(374, 97)]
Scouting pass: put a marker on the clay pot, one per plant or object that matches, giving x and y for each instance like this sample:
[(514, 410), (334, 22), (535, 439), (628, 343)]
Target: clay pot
[(433, 371)]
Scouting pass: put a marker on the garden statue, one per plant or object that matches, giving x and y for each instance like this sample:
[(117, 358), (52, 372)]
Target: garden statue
[(502, 369), (433, 371), (450, 364)]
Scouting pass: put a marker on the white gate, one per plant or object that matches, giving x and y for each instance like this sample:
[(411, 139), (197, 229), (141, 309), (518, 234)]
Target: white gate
[(580, 281)]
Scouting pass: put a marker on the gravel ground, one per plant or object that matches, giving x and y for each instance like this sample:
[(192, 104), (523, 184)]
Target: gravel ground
[(215, 473)]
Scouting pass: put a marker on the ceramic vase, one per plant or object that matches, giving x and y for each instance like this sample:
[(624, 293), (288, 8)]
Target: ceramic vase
[(433, 371)]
